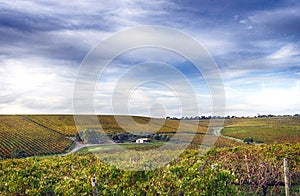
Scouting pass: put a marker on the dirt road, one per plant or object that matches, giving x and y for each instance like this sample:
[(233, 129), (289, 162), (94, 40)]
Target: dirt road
[(216, 131)]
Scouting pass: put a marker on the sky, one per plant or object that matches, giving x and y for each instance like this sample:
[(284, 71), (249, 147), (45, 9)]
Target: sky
[(255, 44)]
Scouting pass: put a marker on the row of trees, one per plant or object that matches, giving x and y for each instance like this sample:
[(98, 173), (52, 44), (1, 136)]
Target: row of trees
[(96, 136), (198, 117), (227, 117)]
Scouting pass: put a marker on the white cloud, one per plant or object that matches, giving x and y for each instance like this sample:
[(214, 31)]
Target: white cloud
[(265, 93), (245, 21), (37, 75), (287, 51), (32, 86), (80, 38), (116, 15), (276, 100), (141, 86), (285, 56)]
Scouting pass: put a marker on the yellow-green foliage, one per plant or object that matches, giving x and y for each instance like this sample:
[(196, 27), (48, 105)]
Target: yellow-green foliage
[(18, 134), (61, 123), (65, 124), (268, 130), (188, 174)]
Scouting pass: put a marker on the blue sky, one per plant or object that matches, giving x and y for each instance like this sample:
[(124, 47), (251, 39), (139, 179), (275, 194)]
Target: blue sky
[(256, 45)]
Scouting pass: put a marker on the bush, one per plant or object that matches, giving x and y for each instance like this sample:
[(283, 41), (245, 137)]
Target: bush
[(248, 140)]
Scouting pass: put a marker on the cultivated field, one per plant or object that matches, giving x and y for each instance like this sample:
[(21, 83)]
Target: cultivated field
[(65, 124), (20, 137), (266, 130), (47, 134), (236, 169), (260, 173)]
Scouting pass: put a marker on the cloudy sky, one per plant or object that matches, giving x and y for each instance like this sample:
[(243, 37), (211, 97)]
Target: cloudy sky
[(256, 45)]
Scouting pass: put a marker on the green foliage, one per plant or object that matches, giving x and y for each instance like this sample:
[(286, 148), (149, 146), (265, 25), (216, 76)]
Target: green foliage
[(61, 123), (20, 138), (232, 173), (222, 172), (92, 136), (71, 175), (270, 130), (248, 140), (46, 134), (260, 168)]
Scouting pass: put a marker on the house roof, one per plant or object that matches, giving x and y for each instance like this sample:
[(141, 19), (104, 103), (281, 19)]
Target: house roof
[(143, 139)]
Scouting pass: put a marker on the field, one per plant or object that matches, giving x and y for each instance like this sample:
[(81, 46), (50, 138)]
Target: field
[(111, 148), (274, 121), (229, 168), (277, 128), (65, 124), (188, 174), (270, 130), (20, 137), (29, 135)]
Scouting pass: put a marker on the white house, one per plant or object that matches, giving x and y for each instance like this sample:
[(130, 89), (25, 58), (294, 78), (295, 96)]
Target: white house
[(142, 140)]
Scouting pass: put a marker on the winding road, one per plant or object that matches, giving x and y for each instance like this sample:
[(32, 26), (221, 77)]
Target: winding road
[(83, 145), (216, 131), (78, 147)]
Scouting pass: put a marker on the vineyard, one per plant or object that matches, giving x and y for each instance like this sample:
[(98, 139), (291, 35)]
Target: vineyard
[(29, 135), (272, 130), (230, 168), (266, 130), (19, 137), (220, 172), (274, 121), (65, 124)]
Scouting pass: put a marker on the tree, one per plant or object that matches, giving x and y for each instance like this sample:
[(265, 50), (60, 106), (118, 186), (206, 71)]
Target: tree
[(17, 153), (78, 138), (248, 140)]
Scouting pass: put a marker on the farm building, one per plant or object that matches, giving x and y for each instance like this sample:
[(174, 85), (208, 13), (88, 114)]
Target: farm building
[(143, 140)]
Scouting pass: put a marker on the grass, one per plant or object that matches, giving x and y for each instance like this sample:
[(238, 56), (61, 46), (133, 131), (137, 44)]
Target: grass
[(272, 130), (197, 139), (275, 121), (113, 147)]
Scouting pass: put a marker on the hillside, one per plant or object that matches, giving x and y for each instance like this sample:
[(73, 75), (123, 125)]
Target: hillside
[(221, 172), (265, 130), (27, 135), (20, 137)]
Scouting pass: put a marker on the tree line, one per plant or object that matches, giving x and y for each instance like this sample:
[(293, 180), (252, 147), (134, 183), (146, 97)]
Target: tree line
[(228, 117)]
